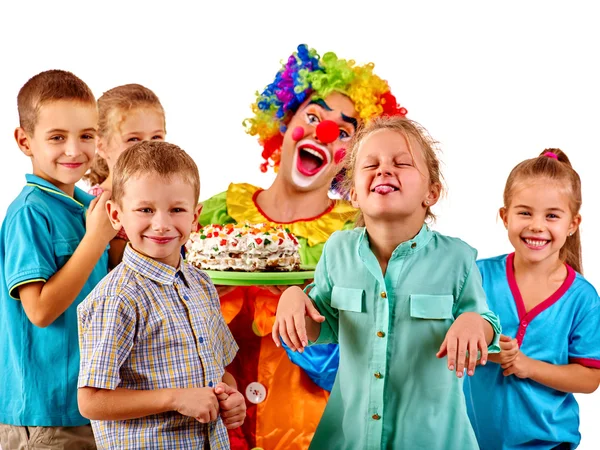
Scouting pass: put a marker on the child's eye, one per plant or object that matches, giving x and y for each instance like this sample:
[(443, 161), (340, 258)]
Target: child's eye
[(57, 138), (178, 210), (371, 166), (158, 138), (312, 118), (552, 216), (523, 213), (145, 210), (133, 139), (87, 137)]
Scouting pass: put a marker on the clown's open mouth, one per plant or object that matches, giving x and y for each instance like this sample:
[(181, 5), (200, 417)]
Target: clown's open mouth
[(310, 160)]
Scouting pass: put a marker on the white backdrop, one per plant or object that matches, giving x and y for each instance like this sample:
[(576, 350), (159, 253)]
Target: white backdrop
[(494, 83)]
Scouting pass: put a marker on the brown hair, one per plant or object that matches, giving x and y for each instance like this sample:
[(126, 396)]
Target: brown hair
[(412, 131), (154, 157), (49, 86), (557, 169), (112, 107)]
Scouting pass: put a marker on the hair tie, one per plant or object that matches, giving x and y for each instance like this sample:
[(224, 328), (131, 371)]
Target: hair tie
[(551, 155)]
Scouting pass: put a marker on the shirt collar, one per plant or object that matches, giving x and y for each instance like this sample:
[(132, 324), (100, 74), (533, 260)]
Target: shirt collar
[(147, 267), (80, 198), (407, 247)]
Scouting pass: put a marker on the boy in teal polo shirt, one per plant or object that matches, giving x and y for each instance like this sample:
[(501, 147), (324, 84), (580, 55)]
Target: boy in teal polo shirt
[(53, 244)]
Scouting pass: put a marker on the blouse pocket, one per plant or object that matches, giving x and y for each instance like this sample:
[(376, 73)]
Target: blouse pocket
[(431, 306), (348, 299)]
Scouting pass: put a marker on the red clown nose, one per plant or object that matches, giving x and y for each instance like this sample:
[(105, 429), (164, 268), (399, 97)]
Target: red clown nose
[(327, 131)]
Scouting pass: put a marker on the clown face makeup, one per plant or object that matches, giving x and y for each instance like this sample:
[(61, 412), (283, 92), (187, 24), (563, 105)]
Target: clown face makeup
[(315, 141)]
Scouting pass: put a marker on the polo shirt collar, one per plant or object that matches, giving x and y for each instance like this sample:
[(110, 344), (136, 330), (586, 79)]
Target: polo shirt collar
[(80, 198), (149, 268)]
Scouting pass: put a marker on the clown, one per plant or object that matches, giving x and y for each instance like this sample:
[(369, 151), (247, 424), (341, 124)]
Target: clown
[(304, 120)]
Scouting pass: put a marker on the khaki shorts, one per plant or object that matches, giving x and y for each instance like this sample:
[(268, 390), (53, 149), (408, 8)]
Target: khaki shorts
[(46, 438)]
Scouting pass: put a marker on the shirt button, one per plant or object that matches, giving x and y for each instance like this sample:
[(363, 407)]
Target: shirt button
[(413, 245), (256, 392), (383, 295), (185, 297), (380, 334), (376, 416), (378, 375), (201, 339), (210, 384)]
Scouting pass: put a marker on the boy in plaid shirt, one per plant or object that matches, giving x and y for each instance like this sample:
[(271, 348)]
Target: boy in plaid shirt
[(154, 345)]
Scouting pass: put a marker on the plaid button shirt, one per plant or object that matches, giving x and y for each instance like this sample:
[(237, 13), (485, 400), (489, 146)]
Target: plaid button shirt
[(150, 326)]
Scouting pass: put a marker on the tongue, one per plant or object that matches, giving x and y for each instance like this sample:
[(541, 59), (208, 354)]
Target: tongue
[(384, 189), (309, 161)]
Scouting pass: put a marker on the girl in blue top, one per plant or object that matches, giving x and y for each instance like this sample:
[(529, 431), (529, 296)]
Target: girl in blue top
[(550, 316), (397, 297)]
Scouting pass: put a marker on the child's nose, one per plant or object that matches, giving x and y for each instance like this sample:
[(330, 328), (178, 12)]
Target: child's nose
[(73, 149), (161, 222)]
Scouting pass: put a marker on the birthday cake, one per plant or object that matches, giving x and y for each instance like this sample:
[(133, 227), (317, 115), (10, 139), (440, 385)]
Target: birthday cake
[(246, 247)]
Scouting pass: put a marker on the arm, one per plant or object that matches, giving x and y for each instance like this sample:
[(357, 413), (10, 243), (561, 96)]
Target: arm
[(45, 302), (475, 330), (572, 377), (125, 404)]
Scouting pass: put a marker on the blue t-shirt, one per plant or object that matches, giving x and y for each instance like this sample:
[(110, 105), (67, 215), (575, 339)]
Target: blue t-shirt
[(39, 366), (511, 413)]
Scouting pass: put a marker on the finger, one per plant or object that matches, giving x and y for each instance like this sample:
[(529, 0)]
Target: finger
[(483, 348), (472, 361), (290, 327), (283, 333), (203, 417), (461, 355), (300, 324), (231, 426), (313, 312), (451, 346), (93, 204), (443, 349), (505, 338), (508, 371), (214, 411), (275, 334), (236, 413)]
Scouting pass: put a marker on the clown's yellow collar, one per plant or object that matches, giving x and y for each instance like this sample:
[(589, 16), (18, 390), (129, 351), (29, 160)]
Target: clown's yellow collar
[(242, 206)]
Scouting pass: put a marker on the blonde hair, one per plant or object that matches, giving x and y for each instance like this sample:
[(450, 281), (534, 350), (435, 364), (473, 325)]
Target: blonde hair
[(113, 105), (558, 169), (46, 87), (154, 157), (412, 131)]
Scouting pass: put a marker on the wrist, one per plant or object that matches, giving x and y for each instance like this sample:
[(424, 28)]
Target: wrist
[(169, 399)]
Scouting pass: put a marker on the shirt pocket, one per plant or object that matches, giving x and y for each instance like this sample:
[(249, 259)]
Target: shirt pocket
[(63, 250), (348, 299), (425, 306)]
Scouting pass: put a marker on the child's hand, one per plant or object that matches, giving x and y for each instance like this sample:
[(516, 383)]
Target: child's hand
[(199, 403), (520, 366), (232, 405), (290, 323), (509, 349), (97, 222), (467, 333)]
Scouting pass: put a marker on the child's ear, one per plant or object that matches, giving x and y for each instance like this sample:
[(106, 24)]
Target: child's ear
[(354, 198), (504, 216), (23, 141), (101, 147), (435, 190), (114, 214), (574, 226), (197, 211)]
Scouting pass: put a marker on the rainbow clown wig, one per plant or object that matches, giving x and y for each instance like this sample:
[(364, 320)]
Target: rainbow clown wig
[(307, 75)]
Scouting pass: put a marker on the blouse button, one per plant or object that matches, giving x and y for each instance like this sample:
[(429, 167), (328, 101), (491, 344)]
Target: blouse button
[(380, 334), (378, 375), (383, 295), (376, 416), (413, 245)]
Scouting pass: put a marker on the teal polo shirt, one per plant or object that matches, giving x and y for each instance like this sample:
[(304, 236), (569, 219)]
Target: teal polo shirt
[(39, 366)]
